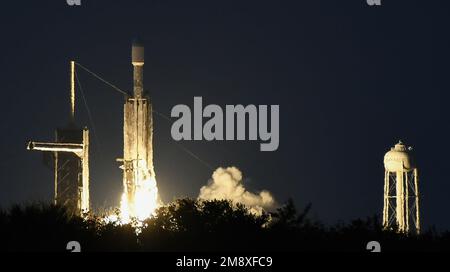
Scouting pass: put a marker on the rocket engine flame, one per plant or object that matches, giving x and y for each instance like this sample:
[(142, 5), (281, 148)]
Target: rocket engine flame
[(143, 201)]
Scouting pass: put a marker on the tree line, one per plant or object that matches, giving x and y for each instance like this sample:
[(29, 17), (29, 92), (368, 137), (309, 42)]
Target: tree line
[(199, 225)]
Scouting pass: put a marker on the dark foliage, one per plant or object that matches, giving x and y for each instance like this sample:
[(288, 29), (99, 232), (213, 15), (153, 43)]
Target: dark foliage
[(192, 225)]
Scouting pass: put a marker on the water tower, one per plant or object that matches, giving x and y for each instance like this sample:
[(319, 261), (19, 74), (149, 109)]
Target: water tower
[(401, 191)]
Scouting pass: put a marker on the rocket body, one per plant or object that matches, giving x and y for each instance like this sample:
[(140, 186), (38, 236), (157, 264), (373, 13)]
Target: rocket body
[(138, 135)]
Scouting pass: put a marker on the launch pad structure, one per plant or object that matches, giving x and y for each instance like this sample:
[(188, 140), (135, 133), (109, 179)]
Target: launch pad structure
[(70, 153), (70, 150), (70, 156)]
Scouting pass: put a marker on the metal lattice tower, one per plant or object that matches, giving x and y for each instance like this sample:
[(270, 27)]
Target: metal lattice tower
[(70, 156), (401, 191)]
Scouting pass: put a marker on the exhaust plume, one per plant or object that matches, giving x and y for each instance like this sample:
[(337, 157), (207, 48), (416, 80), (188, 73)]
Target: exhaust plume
[(226, 183)]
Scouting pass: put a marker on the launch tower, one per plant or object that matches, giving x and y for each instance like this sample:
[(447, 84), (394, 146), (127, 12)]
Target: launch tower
[(70, 161)]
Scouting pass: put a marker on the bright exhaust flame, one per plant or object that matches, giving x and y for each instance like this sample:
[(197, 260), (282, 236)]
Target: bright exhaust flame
[(139, 199), (143, 205)]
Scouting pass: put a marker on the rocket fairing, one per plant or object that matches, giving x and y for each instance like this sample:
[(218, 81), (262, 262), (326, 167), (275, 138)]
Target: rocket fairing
[(137, 133)]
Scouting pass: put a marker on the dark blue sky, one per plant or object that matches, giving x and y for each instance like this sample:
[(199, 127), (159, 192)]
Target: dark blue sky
[(350, 81)]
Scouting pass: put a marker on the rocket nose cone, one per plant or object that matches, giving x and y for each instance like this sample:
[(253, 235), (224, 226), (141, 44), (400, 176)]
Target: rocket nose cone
[(137, 52)]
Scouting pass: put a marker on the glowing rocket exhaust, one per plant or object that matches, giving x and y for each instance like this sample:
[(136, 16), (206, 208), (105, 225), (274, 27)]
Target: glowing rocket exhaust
[(140, 195)]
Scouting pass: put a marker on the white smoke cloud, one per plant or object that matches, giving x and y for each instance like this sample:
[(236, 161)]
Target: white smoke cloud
[(226, 183)]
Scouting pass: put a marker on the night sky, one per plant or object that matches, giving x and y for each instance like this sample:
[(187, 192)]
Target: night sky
[(350, 79)]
